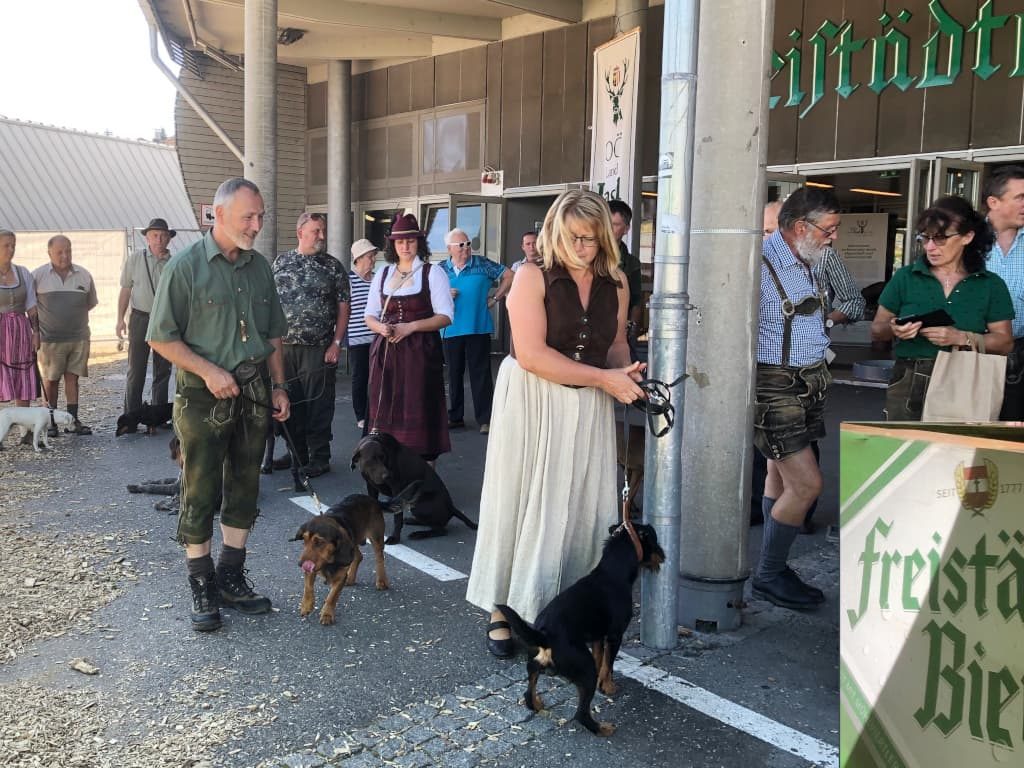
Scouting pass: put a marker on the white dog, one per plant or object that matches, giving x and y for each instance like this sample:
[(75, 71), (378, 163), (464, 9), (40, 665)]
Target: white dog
[(32, 419)]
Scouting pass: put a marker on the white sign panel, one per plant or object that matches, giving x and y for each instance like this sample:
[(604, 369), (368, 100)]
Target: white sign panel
[(862, 241), (614, 121), (206, 215)]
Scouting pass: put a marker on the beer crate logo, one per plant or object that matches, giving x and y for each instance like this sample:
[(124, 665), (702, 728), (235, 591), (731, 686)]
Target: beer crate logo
[(977, 486)]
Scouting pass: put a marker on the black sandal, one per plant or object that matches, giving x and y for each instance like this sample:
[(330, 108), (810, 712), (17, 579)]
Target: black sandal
[(503, 649), (78, 429)]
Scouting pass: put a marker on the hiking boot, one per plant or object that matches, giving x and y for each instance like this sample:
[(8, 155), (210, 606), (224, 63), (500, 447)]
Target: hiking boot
[(205, 603), (236, 592)]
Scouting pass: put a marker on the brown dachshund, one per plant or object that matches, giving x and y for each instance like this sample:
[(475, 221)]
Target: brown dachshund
[(331, 546)]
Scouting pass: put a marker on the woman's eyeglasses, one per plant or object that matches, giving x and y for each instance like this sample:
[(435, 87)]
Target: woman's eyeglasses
[(587, 241), (940, 240)]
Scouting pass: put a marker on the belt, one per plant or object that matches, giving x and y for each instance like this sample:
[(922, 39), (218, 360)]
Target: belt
[(811, 367)]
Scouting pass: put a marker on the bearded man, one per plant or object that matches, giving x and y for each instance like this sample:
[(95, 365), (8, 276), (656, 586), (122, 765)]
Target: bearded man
[(792, 384)]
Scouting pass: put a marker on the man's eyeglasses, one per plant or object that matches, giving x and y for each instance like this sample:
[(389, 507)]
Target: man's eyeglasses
[(940, 240), (460, 246), (827, 232), (588, 241)]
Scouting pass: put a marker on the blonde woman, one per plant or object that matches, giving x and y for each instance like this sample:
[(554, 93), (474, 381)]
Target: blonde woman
[(549, 479)]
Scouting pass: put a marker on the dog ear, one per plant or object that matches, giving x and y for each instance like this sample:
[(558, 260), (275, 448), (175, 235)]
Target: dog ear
[(613, 528), (355, 457), (300, 533)]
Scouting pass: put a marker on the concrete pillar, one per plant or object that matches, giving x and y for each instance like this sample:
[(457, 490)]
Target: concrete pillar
[(339, 160), (261, 112), (732, 133), (628, 15)]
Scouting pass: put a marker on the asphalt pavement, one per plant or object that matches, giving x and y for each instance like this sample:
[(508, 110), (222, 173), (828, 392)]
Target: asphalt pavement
[(404, 677)]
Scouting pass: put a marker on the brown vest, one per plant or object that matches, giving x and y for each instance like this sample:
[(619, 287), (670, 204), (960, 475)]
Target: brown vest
[(581, 336)]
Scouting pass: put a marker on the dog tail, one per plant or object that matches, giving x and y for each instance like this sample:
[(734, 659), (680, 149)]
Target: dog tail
[(456, 512), (529, 636)]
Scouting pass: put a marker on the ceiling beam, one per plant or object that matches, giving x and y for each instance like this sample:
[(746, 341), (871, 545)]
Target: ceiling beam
[(322, 48), (381, 16), (569, 11)]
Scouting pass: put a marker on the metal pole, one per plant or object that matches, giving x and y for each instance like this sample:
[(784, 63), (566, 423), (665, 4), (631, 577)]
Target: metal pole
[(628, 15), (669, 306), (261, 113), (732, 121), (339, 160), (154, 52)]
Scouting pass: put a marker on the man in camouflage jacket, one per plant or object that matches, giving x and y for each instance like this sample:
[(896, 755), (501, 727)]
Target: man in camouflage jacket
[(313, 289)]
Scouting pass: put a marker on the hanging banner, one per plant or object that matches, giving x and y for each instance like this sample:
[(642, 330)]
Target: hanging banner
[(613, 135)]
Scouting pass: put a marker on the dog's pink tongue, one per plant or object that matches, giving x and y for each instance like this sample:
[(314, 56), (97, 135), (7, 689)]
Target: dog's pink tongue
[(308, 566)]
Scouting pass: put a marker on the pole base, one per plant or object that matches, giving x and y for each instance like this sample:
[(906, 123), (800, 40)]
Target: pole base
[(710, 606)]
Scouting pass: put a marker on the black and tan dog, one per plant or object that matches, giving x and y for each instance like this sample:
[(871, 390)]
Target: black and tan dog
[(331, 546), (152, 416), (594, 611), (387, 466)]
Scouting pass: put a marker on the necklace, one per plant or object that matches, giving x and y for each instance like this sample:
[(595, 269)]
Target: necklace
[(948, 281)]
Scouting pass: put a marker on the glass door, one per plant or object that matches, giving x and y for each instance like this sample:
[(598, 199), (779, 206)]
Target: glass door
[(957, 177), (482, 218)]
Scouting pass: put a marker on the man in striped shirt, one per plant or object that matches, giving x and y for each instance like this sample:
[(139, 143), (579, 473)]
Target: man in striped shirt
[(364, 255), (1004, 198)]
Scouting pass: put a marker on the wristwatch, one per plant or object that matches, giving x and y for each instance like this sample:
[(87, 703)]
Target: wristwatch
[(337, 343), (279, 385), (829, 322)]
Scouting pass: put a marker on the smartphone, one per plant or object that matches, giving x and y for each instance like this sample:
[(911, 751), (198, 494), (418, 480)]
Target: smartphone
[(933, 319)]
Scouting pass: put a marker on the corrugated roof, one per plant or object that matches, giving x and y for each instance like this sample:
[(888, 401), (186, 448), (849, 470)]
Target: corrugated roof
[(58, 180)]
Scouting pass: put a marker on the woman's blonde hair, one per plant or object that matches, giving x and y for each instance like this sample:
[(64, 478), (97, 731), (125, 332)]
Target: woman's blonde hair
[(554, 243)]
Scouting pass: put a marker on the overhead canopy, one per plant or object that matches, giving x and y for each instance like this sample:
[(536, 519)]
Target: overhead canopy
[(348, 29)]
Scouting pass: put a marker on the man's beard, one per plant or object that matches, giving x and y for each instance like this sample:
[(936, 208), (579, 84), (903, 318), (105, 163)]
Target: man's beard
[(319, 246), (808, 250), (242, 240)]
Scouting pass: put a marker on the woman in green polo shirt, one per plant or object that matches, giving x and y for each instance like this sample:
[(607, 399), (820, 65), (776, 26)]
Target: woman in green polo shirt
[(950, 275)]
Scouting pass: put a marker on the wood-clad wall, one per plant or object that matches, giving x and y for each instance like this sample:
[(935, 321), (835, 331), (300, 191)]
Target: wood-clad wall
[(206, 162)]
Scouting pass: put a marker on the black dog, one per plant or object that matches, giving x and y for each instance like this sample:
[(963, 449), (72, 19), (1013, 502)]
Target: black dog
[(152, 416), (387, 467), (595, 610)]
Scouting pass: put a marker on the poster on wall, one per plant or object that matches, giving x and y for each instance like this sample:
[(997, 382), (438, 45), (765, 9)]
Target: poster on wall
[(613, 138), (862, 242)]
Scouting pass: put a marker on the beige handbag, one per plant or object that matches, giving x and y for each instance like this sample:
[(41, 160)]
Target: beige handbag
[(966, 385)]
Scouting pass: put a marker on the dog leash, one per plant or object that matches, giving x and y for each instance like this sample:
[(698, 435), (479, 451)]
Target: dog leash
[(658, 403), (292, 450)]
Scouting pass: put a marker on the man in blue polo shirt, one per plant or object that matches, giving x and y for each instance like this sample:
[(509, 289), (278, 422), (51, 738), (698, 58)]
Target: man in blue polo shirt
[(467, 341)]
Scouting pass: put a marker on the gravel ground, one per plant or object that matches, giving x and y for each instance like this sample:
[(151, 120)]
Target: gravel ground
[(52, 585)]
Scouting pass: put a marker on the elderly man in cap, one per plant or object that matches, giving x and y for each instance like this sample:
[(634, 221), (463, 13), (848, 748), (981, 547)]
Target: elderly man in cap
[(364, 255), (313, 288), (140, 276)]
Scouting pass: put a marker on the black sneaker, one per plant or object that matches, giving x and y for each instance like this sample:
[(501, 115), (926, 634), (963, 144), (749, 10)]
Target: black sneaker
[(205, 603), (236, 592)]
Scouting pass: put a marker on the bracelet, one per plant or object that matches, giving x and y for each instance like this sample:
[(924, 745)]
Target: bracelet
[(279, 385)]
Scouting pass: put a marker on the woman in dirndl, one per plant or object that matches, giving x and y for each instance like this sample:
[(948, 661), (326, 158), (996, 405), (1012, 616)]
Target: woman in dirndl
[(18, 340), (409, 303), (549, 479)]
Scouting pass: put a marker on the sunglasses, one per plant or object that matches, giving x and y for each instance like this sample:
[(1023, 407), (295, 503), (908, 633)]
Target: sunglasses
[(940, 240), (460, 246)]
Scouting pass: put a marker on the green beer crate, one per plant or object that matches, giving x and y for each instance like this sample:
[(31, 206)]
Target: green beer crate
[(932, 595)]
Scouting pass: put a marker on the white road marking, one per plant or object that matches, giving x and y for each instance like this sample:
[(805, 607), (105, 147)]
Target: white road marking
[(421, 562), (734, 715), (776, 734)]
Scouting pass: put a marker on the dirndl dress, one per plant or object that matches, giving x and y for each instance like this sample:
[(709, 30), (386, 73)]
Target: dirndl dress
[(17, 357), (407, 398)]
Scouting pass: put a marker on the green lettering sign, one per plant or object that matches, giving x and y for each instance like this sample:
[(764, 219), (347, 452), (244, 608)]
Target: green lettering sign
[(890, 54)]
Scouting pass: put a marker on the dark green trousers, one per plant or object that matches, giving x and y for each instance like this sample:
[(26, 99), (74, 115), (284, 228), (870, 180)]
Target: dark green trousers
[(221, 446)]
